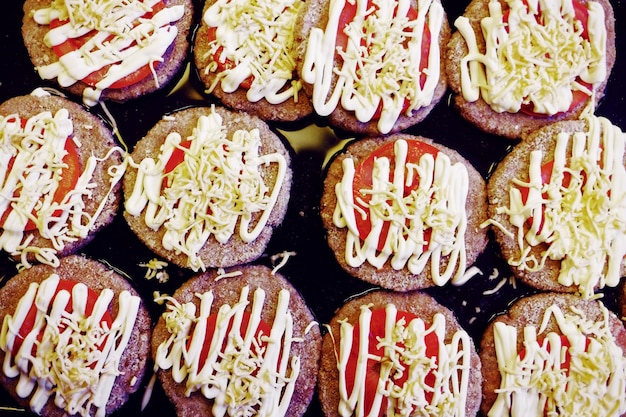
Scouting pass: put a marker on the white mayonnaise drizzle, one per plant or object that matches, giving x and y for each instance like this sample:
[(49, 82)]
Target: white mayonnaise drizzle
[(384, 71), (217, 188), (538, 384), (405, 352), (438, 203), (76, 361), (536, 58), (257, 37), (240, 376), (126, 40)]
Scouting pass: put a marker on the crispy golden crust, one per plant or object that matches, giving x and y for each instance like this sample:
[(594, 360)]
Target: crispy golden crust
[(97, 277), (515, 166), (418, 303), (387, 277), (227, 291), (213, 253), (529, 312), (95, 138), (511, 125), (287, 111), (315, 15), (40, 54)]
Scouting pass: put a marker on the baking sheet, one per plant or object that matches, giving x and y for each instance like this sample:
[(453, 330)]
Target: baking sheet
[(312, 268)]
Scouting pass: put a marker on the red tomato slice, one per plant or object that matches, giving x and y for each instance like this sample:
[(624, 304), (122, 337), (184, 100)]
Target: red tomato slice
[(69, 179), (565, 364), (262, 329), (227, 64), (177, 157), (546, 174), (92, 79), (29, 321), (377, 330), (363, 181), (347, 16), (581, 14)]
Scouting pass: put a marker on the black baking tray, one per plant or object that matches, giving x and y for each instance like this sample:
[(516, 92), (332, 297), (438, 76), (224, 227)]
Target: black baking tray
[(313, 270)]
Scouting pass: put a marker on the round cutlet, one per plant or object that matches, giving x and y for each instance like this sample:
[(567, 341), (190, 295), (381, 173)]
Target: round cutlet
[(511, 125), (418, 303), (515, 167), (166, 70), (315, 15), (226, 290), (386, 276), (289, 110), (529, 311), (213, 254), (95, 139), (97, 277)]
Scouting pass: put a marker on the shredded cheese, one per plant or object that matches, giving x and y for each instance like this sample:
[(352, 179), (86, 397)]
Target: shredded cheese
[(380, 62), (438, 203), (257, 38), (215, 190), (29, 183), (537, 57), (404, 350), (582, 223), (126, 40), (240, 376), (155, 269), (537, 383), (76, 361)]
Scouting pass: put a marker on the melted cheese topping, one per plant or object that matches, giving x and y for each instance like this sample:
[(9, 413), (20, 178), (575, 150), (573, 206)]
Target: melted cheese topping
[(437, 204), (405, 352), (538, 384), (215, 189), (379, 62), (257, 38), (76, 361), (583, 223), (38, 149), (537, 58), (125, 40), (240, 378)]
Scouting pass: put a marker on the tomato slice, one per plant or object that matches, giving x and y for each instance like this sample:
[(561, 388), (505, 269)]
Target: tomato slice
[(225, 64), (363, 181), (546, 174), (347, 16), (262, 329), (67, 183), (566, 358), (29, 321), (376, 332), (177, 157), (92, 79), (581, 13)]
